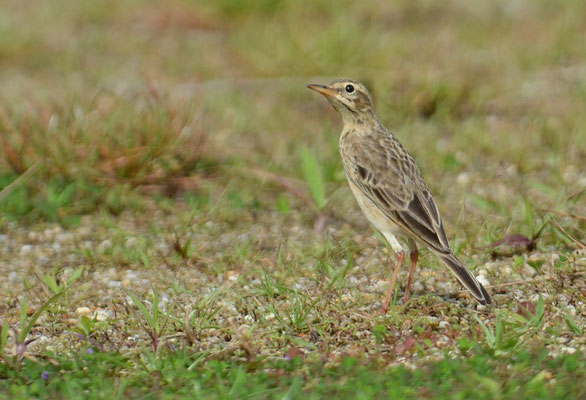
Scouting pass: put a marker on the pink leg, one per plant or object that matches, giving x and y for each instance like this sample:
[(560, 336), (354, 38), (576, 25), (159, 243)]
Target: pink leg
[(386, 304), (414, 256)]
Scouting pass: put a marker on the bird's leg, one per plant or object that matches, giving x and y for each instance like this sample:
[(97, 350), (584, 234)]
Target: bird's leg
[(414, 255), (400, 258)]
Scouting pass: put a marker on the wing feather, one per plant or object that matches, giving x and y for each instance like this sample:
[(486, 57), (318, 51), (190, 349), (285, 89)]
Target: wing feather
[(389, 177)]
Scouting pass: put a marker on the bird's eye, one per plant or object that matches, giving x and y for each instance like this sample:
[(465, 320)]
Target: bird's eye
[(349, 88)]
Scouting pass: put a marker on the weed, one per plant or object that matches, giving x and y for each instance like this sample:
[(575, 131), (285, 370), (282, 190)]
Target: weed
[(155, 320), (294, 317), (26, 325), (578, 330), (51, 282), (200, 317)]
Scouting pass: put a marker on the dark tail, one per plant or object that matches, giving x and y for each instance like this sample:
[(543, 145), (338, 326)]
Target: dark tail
[(465, 277)]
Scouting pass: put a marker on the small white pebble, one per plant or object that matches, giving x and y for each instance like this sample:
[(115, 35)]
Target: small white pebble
[(63, 237), (42, 339), (554, 258), (482, 279), (463, 178), (131, 274), (442, 340), (535, 297), (82, 310), (418, 287), (444, 325), (346, 298), (25, 249), (106, 244), (102, 315)]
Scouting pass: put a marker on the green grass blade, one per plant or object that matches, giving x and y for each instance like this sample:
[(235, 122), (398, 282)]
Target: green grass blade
[(3, 336), (143, 310), (573, 326), (490, 336), (156, 312), (75, 276), (25, 331), (51, 283), (23, 310)]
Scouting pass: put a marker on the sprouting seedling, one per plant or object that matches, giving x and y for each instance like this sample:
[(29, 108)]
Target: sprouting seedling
[(26, 325), (299, 311), (494, 337), (87, 328), (200, 317), (578, 330), (52, 284), (154, 324)]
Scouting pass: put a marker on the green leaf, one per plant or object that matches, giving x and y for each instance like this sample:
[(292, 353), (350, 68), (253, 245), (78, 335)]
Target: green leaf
[(142, 308), (379, 331), (539, 312), (75, 276), (50, 282), (490, 336), (26, 329), (3, 336), (156, 311), (537, 379), (239, 385), (23, 310), (573, 326), (302, 343), (491, 385), (313, 177)]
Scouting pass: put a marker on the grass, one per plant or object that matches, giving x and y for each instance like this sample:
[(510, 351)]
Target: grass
[(483, 376), (175, 221)]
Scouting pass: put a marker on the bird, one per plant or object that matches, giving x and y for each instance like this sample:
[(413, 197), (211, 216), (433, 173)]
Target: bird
[(389, 187)]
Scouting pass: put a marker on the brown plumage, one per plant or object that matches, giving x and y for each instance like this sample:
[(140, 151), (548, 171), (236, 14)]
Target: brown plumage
[(389, 187)]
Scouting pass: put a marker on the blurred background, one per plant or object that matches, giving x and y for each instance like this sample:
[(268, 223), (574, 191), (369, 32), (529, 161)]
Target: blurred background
[(111, 101)]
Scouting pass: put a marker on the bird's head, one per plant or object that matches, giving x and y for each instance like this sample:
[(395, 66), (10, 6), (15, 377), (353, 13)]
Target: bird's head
[(350, 98)]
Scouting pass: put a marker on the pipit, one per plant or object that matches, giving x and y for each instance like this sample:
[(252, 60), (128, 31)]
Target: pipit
[(389, 187)]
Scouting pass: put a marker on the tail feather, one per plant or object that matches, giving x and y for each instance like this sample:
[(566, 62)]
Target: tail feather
[(465, 277)]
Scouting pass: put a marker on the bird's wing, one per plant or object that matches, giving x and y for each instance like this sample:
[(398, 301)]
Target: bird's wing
[(387, 174)]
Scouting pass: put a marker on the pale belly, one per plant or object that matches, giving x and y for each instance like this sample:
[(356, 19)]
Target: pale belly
[(380, 221)]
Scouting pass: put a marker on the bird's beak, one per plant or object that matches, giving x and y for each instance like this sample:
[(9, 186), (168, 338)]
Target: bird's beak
[(325, 90)]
